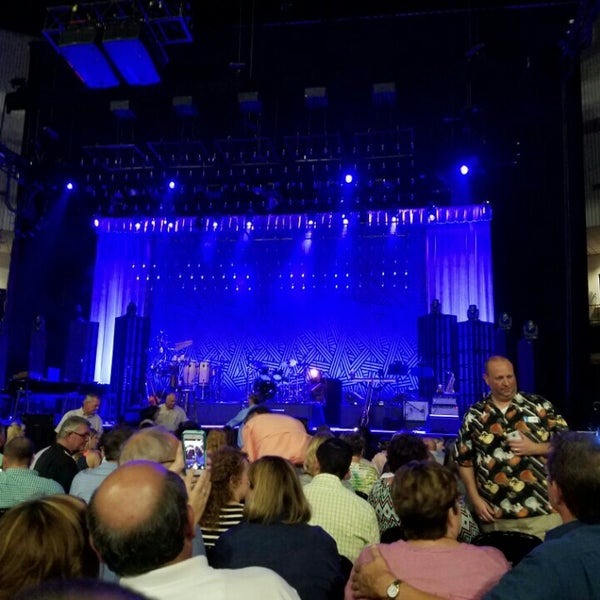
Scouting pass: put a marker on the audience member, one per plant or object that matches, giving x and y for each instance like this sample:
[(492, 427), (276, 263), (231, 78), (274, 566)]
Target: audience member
[(229, 479), (142, 526), (170, 415), (17, 481), (216, 439), (14, 430), (380, 459), (425, 497), (273, 434), (85, 482), (41, 540), (277, 514), (89, 410), (363, 473), (310, 465), (502, 445), (89, 457), (566, 565), (403, 448), (57, 461), (238, 420), (346, 517), (151, 443)]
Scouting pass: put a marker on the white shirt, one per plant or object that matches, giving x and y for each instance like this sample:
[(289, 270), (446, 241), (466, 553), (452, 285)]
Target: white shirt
[(94, 420), (192, 579), (170, 418)]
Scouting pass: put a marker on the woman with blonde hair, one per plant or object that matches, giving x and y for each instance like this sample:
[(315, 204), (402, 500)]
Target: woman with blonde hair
[(277, 514), (229, 485), (44, 539), (309, 468)]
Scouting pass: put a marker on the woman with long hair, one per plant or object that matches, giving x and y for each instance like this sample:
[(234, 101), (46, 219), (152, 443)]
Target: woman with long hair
[(229, 485), (277, 515)]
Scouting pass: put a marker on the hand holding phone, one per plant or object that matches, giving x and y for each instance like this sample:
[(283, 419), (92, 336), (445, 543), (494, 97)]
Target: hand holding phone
[(194, 449)]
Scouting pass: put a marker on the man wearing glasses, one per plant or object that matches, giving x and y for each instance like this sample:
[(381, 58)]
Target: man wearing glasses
[(57, 461)]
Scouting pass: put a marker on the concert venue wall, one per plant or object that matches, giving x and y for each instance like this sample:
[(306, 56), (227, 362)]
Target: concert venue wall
[(234, 299)]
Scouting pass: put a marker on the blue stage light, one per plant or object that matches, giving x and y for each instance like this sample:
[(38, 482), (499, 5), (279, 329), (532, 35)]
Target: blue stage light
[(70, 185), (464, 169), (348, 178), (172, 184)]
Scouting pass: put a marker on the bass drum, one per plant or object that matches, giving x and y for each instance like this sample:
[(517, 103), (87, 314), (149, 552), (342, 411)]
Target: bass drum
[(265, 389)]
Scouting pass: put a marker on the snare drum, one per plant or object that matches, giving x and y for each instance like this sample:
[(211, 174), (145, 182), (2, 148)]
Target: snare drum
[(204, 372)]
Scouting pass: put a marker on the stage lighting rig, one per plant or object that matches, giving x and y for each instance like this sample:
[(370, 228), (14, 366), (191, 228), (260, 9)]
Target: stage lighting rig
[(107, 43)]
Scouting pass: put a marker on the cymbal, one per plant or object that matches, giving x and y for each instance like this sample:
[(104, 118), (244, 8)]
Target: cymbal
[(182, 345)]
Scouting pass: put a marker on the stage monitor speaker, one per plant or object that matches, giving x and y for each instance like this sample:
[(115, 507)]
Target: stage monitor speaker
[(39, 428)]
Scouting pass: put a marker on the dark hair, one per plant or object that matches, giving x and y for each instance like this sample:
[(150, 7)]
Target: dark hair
[(403, 448), (334, 457), (150, 543), (112, 440), (574, 465), (20, 449), (357, 442), (422, 493), (74, 589)]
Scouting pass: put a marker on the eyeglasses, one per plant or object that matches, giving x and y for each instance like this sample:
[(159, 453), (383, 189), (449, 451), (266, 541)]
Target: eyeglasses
[(82, 435)]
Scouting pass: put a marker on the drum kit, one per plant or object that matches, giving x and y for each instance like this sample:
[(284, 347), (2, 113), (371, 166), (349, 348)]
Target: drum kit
[(284, 381)]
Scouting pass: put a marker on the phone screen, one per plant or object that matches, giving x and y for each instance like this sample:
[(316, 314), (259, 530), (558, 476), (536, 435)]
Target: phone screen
[(194, 445)]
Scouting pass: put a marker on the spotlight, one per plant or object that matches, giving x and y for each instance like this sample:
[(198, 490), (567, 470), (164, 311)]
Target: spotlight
[(172, 184), (96, 223), (464, 169), (432, 214), (70, 185), (348, 178), (314, 375)]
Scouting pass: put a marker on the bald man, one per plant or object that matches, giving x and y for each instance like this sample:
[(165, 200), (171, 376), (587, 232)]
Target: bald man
[(142, 527), (89, 411)]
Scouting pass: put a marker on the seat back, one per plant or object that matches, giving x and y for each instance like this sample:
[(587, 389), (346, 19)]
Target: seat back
[(515, 545)]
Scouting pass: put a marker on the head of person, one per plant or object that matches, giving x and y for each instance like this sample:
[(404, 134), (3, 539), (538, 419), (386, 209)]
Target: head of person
[(14, 430), (75, 589), (74, 434), (499, 376), (254, 399), (229, 482), (139, 519), (44, 539), (310, 465), (574, 476), (425, 497), (275, 493), (93, 440), (334, 457), (403, 448), (170, 400), (357, 442), (18, 453), (91, 405), (152, 443), (113, 440), (215, 439)]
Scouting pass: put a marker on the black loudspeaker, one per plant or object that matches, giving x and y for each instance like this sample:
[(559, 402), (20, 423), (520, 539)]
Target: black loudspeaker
[(39, 429), (328, 392), (82, 342), (128, 375)]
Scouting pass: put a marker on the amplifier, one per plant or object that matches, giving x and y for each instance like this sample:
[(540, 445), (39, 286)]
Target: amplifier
[(445, 410)]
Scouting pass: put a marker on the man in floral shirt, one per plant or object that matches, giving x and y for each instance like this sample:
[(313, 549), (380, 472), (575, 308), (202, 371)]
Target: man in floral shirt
[(501, 452)]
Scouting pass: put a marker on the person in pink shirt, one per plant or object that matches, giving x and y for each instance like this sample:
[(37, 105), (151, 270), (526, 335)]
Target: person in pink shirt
[(431, 559), (274, 434)]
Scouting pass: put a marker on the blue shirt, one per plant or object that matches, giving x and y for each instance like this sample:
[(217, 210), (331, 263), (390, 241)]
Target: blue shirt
[(239, 420), (85, 482), (564, 567)]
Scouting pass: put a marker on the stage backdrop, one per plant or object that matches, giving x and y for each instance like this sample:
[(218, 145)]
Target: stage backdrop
[(273, 296)]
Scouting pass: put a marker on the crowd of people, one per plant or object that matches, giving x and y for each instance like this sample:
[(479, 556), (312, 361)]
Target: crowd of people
[(282, 513)]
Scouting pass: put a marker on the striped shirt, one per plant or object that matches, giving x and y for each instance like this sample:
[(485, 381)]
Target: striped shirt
[(230, 515)]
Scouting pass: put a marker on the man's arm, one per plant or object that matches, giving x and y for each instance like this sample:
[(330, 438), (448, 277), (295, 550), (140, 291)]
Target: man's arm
[(483, 510), (372, 579)]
